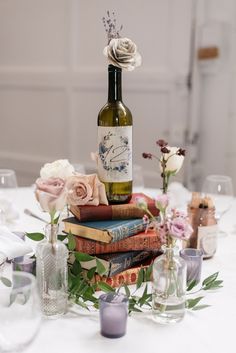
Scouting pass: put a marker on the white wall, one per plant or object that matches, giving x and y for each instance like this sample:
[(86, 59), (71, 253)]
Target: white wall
[(213, 108), (53, 78)]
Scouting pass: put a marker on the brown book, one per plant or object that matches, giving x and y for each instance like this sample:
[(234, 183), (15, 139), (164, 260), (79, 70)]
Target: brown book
[(142, 241), (121, 211)]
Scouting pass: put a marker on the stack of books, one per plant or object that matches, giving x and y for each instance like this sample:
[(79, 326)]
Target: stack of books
[(117, 236)]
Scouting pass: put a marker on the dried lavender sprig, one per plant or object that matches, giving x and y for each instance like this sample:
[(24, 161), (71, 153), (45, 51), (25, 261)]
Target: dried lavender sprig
[(109, 24)]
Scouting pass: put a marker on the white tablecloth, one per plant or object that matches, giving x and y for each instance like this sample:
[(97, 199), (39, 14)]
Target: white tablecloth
[(205, 331)]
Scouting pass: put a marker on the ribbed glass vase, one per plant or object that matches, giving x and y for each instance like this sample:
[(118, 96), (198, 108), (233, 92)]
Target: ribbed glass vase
[(169, 287), (51, 273)]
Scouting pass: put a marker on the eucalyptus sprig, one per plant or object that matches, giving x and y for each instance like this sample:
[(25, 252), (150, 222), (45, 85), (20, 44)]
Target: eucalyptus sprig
[(209, 283)]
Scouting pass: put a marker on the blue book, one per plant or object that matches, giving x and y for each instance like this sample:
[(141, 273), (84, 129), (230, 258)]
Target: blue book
[(104, 231), (118, 262)]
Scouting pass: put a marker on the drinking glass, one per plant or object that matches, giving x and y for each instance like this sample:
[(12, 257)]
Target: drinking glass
[(220, 189), (7, 179), (20, 314), (8, 185)]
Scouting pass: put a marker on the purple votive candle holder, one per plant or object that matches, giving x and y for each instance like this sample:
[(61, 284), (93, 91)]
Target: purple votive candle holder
[(113, 310), (26, 264), (193, 259)]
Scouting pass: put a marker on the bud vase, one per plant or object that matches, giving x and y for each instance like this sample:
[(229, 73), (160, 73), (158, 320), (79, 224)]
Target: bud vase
[(51, 273), (169, 287)]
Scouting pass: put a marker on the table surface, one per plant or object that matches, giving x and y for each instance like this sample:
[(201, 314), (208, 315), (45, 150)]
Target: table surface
[(208, 330)]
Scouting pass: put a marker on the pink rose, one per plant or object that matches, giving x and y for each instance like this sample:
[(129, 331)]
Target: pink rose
[(51, 194), (180, 228), (162, 201), (85, 190)]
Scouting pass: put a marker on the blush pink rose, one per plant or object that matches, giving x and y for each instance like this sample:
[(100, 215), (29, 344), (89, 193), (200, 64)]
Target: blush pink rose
[(180, 228), (85, 190), (162, 201), (51, 194)]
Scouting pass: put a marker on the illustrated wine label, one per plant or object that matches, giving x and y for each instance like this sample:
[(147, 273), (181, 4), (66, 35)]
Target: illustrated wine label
[(115, 153), (207, 240)]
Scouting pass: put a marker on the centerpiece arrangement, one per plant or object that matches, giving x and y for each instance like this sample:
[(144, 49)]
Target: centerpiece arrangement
[(100, 235)]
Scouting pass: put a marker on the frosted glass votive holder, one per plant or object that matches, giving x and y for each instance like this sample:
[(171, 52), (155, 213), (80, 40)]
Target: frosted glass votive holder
[(113, 310)]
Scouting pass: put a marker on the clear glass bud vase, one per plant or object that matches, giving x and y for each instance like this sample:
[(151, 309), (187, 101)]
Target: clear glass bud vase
[(51, 273), (169, 287)]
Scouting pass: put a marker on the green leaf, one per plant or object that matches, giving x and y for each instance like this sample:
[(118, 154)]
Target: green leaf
[(35, 236), (191, 285), (190, 303), (82, 304), (100, 267), (210, 279), (82, 257), (105, 287), (5, 281), (62, 237), (213, 285), (71, 242), (143, 298), (149, 272), (140, 278), (76, 268), (91, 272), (200, 307), (55, 221), (127, 291)]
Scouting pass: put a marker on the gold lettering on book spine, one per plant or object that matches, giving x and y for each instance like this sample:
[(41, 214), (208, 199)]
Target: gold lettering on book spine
[(130, 211)]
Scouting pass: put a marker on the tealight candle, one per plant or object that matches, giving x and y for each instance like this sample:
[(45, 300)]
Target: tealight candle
[(113, 309), (193, 259)]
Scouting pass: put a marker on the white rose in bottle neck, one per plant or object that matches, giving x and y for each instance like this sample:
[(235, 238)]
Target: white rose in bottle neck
[(173, 160)]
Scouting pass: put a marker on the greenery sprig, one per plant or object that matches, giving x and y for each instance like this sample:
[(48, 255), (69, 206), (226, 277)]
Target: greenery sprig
[(83, 289)]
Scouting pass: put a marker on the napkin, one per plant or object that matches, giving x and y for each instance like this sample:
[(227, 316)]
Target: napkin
[(11, 245), (179, 195), (7, 210)]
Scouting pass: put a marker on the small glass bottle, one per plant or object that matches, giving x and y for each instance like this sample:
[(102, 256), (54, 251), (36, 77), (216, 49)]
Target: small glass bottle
[(205, 229), (51, 273), (169, 287)]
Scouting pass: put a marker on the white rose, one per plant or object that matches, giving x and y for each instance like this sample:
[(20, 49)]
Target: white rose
[(174, 161), (122, 52), (57, 169)]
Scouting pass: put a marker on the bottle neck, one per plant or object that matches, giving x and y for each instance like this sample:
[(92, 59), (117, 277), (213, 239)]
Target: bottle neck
[(114, 84), (51, 231)]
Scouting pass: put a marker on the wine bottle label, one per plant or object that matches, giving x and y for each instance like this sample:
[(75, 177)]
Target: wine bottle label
[(115, 153)]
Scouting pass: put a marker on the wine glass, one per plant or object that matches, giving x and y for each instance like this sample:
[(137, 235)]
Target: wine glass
[(7, 179), (8, 185), (19, 312), (220, 189)]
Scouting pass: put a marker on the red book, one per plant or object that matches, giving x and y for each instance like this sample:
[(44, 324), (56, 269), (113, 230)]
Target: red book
[(129, 276), (121, 211), (142, 241)]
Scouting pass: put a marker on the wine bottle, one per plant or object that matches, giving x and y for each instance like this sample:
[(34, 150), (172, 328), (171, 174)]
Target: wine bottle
[(115, 142)]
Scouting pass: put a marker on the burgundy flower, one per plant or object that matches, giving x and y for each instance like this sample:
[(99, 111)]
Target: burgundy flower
[(181, 152), (147, 155), (162, 143), (165, 150)]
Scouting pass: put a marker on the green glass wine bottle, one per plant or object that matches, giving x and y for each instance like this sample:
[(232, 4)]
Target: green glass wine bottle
[(115, 142)]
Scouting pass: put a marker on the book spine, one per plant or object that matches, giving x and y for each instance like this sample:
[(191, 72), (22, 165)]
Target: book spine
[(129, 276), (141, 241), (126, 260), (126, 230)]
